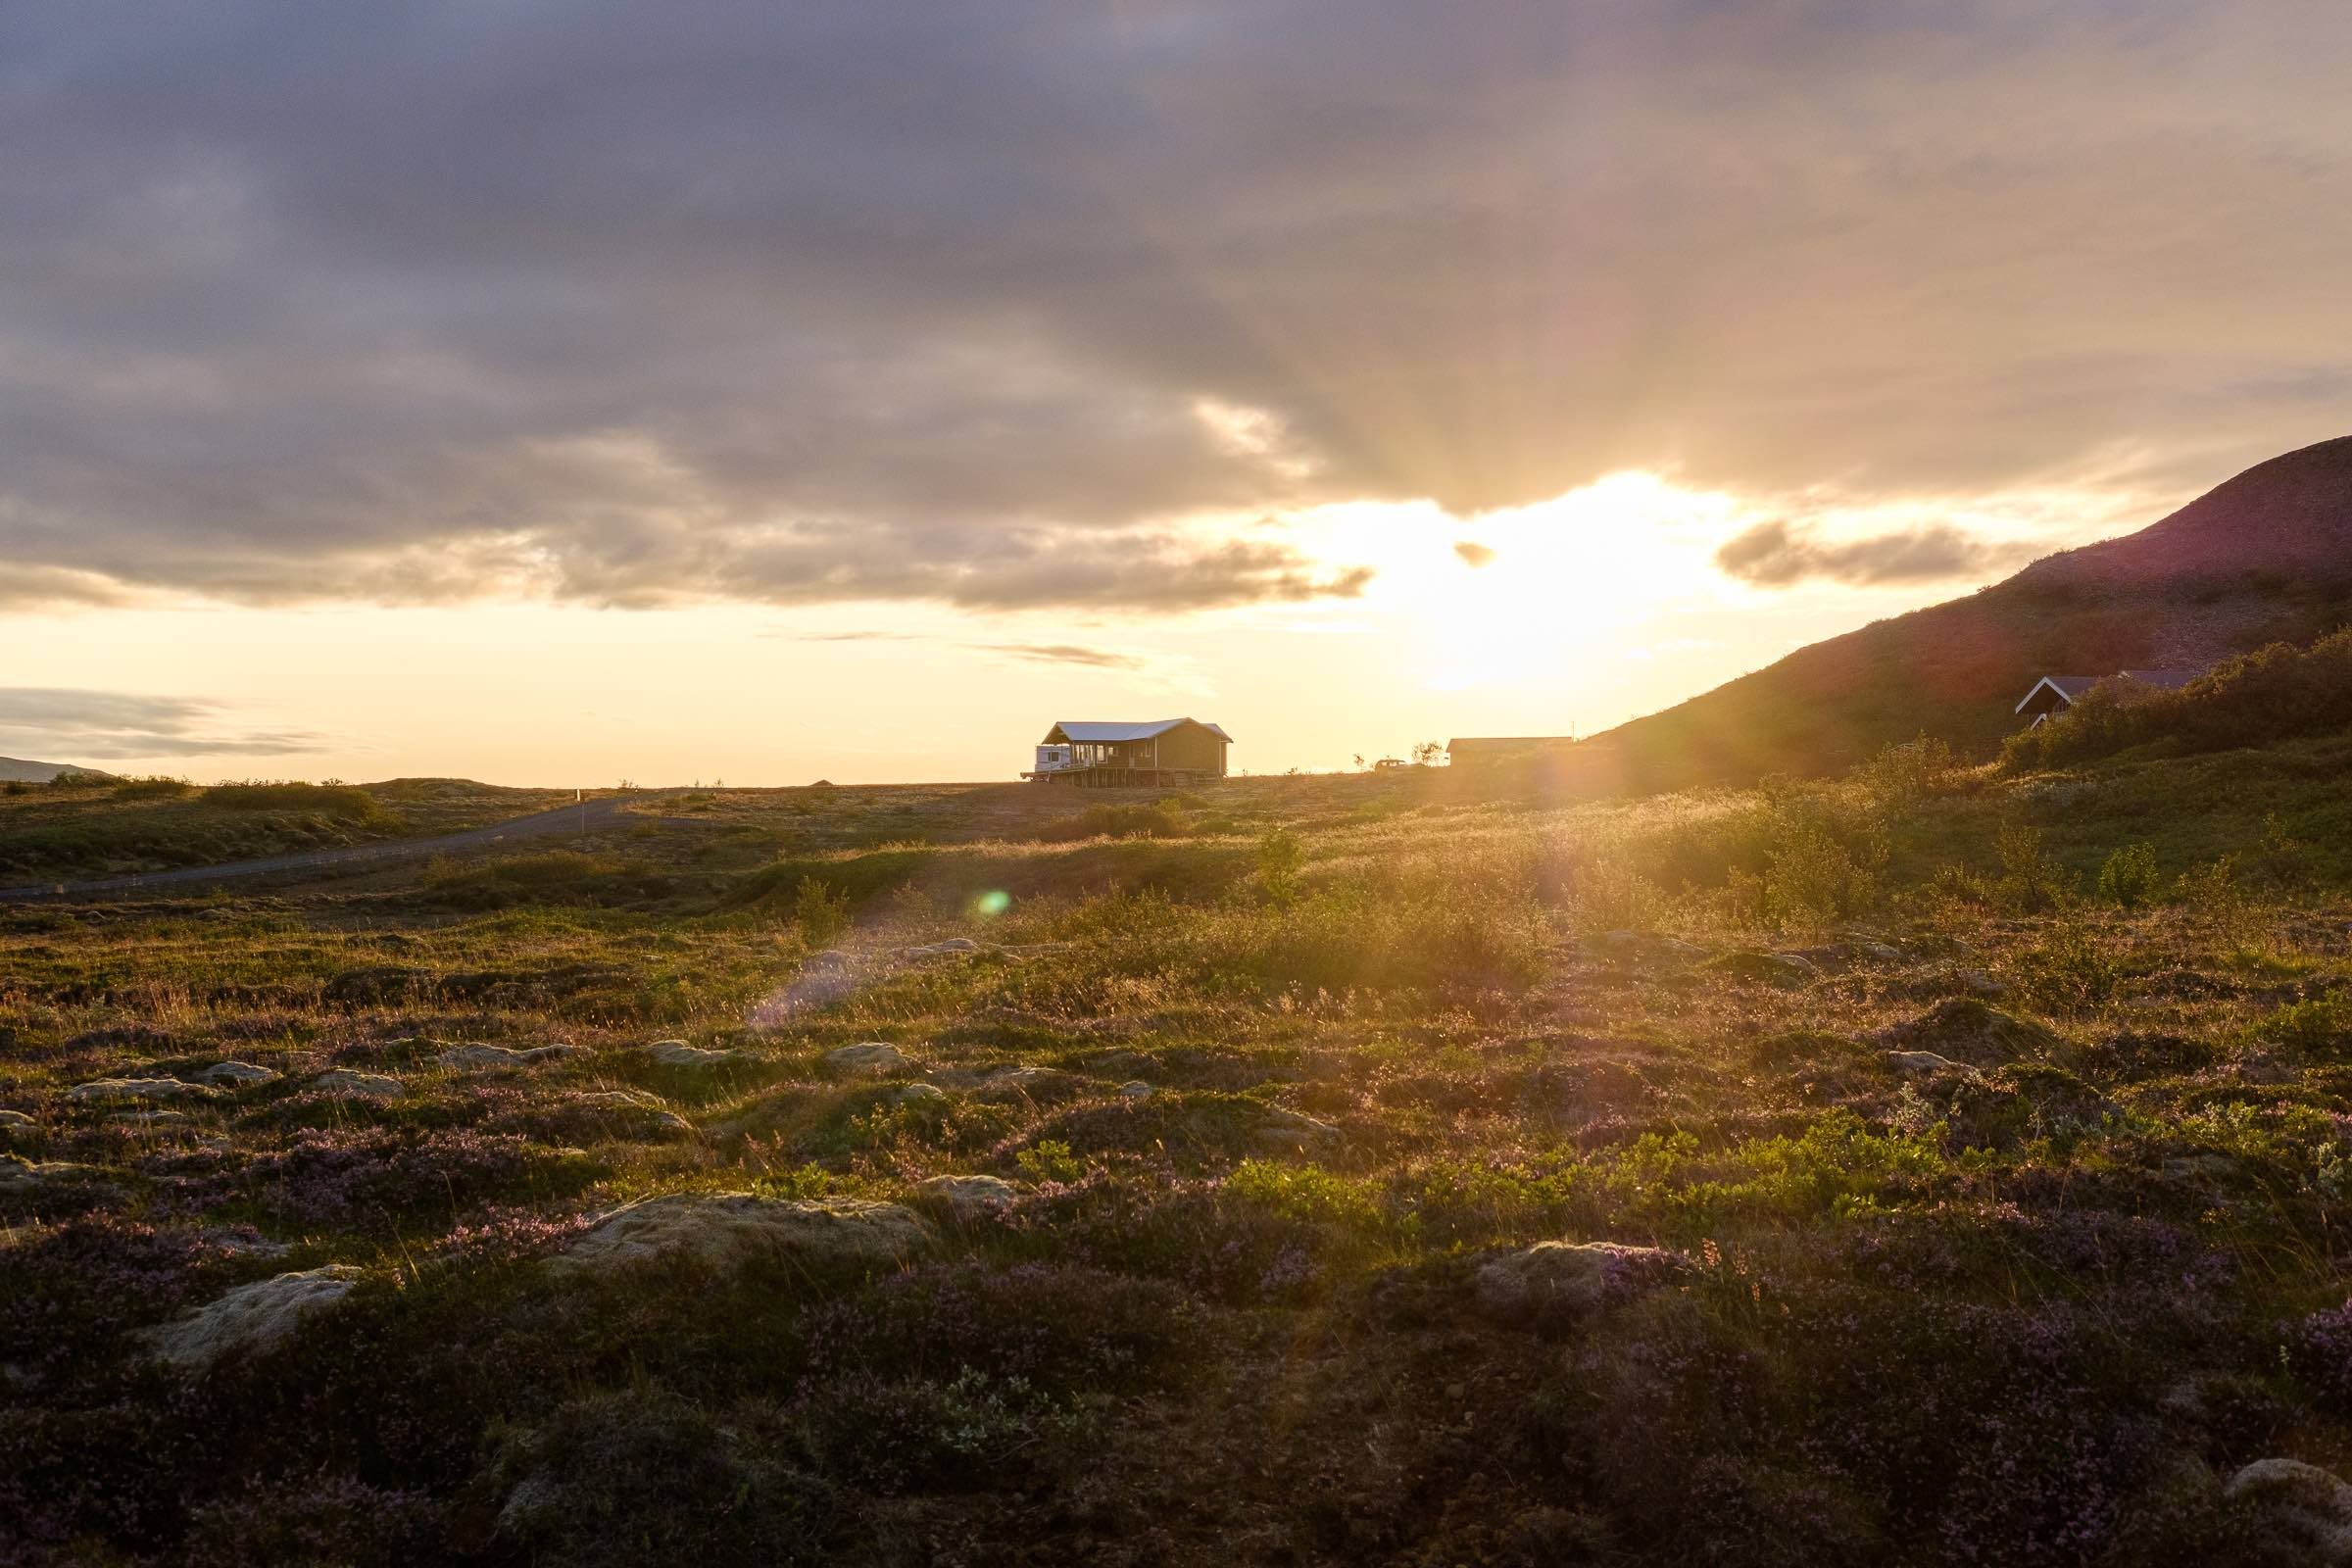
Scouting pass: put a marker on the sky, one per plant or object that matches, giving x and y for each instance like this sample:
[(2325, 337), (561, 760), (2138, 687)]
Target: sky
[(560, 393)]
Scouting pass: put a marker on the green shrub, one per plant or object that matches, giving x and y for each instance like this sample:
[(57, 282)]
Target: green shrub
[(157, 788), (1304, 1193), (1049, 1160), (2032, 882), (1280, 858), (2128, 879), (2070, 969), (820, 910), (1903, 777), (1116, 821), (2314, 1028), (344, 801)]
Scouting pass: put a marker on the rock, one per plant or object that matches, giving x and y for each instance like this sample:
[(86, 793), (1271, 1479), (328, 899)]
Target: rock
[(138, 1089), (1646, 947), (922, 1097), (2310, 1508), (649, 1113), (1765, 968), (1555, 1284), (725, 1229), (496, 1057), (23, 1176), (971, 1197), (1134, 1091), (1292, 1130), (1018, 1080), (244, 1241), (598, 1115), (678, 1053), (237, 1074), (1921, 1063), (148, 1118), (16, 1121), (951, 948), (868, 1056), (251, 1317), (1968, 1031), (372, 1085)]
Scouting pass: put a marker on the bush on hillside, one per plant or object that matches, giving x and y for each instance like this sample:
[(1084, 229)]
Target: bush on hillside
[(342, 801), (1117, 821), (2277, 694), (1903, 776), (2129, 880), (157, 788)]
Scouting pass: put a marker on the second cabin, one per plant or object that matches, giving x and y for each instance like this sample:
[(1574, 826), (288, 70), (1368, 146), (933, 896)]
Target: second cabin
[(1105, 753)]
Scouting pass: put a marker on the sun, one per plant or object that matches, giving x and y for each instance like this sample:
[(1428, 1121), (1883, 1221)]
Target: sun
[(1525, 593)]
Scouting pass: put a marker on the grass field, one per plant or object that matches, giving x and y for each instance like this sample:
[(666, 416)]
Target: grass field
[(1968, 1148), (77, 829)]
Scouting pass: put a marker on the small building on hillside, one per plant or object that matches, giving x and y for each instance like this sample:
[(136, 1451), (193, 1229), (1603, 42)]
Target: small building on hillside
[(1103, 753), (2054, 694)]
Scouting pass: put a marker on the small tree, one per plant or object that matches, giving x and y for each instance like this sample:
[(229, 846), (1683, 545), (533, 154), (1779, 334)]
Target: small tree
[(1429, 752), (1280, 858), (2128, 879), (821, 912)]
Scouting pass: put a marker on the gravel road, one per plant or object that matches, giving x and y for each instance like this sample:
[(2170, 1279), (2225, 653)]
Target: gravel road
[(541, 824)]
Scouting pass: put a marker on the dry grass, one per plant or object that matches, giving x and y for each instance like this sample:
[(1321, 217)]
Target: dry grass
[(1926, 1315)]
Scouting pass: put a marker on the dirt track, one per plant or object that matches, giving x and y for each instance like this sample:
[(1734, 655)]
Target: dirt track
[(540, 825)]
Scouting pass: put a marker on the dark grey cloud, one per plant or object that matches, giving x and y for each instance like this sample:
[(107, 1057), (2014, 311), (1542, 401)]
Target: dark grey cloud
[(843, 299), (1777, 553), (90, 725), (1029, 653)]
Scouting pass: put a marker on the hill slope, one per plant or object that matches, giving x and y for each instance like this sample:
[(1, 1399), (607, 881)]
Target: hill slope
[(17, 771), (2264, 556)]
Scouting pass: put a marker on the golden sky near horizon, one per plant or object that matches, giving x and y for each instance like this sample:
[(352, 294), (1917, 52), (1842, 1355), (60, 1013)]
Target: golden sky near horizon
[(561, 391)]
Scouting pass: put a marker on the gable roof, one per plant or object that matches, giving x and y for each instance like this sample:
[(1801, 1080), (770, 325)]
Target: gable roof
[(2068, 688), (1093, 730)]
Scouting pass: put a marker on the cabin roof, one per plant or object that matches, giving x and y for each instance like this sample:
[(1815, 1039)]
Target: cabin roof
[(1099, 730), (2068, 688)]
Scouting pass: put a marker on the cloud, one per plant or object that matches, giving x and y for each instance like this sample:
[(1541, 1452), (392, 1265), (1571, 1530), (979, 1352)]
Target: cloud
[(1473, 553), (1031, 653), (981, 305), (1066, 654), (1777, 555), (61, 724)]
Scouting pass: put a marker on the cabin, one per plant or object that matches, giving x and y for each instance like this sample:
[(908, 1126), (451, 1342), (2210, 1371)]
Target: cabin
[(1099, 753), (2054, 694)]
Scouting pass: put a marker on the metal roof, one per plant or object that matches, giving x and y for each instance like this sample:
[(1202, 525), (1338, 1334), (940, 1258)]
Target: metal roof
[(1090, 730), (2071, 687)]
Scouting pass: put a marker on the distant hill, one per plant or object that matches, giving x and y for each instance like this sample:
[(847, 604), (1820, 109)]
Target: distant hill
[(2264, 557), (16, 771)]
